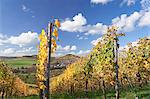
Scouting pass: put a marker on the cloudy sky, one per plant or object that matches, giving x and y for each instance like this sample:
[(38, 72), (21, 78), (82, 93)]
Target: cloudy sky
[(82, 23)]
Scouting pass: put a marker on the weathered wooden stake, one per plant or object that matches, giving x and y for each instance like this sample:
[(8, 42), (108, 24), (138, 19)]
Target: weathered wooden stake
[(116, 65), (47, 94)]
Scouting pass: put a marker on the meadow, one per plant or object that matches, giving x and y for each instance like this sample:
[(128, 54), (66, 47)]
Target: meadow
[(20, 62)]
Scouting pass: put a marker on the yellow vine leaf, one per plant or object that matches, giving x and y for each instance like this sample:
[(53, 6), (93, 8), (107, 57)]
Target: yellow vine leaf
[(57, 23), (55, 33), (42, 59)]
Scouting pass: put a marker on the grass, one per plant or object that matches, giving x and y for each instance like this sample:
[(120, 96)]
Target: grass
[(25, 97), (142, 93), (27, 78), (20, 62), (30, 78), (126, 93)]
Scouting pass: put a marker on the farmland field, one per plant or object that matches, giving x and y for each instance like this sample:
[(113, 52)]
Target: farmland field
[(20, 62)]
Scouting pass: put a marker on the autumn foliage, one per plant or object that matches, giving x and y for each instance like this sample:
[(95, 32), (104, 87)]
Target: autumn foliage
[(11, 85), (98, 68)]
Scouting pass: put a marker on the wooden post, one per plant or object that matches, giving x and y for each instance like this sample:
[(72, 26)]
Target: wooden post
[(86, 88), (47, 94), (103, 89), (116, 65), (41, 94)]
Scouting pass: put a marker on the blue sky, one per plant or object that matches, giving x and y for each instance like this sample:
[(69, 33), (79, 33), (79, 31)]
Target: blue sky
[(82, 23)]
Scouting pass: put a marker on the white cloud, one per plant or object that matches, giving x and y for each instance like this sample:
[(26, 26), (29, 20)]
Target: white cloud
[(8, 51), (25, 8), (78, 35), (127, 23), (148, 37), (126, 47), (80, 52), (128, 2), (85, 38), (98, 28), (82, 38), (62, 54), (135, 43), (73, 48), (23, 39), (135, 20), (58, 55), (73, 25), (123, 48), (100, 1), (79, 24), (33, 16), (23, 44), (66, 48), (2, 39), (69, 50), (15, 51), (2, 36), (83, 53), (72, 53), (25, 50), (145, 19), (145, 4), (95, 42)]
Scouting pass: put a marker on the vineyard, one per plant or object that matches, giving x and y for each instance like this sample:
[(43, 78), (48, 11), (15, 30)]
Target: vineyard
[(99, 74), (96, 72), (74, 49)]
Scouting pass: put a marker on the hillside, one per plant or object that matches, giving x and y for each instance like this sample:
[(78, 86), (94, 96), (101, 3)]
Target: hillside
[(25, 67), (29, 61), (98, 69), (63, 61), (28, 64), (9, 83)]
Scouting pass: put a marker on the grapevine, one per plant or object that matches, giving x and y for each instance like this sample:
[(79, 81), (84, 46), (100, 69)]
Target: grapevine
[(46, 47)]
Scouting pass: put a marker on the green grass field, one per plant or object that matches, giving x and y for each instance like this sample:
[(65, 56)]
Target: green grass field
[(31, 78), (20, 62), (127, 93), (27, 78)]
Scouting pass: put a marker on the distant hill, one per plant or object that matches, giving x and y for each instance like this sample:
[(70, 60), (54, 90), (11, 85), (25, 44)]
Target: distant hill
[(27, 64), (63, 61), (28, 60), (69, 56), (13, 57)]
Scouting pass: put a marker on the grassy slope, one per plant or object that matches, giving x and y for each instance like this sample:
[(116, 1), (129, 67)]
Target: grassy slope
[(20, 62), (142, 93), (27, 78)]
